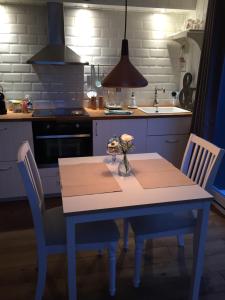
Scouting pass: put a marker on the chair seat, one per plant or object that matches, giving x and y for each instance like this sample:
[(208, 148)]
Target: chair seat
[(87, 233), (155, 224)]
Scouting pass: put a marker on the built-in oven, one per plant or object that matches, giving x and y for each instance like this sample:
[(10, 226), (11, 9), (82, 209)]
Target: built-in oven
[(57, 139)]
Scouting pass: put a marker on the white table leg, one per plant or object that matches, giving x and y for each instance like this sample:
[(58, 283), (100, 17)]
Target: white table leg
[(199, 247), (71, 257)]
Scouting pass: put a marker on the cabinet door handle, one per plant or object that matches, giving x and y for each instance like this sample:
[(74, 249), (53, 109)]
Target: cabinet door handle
[(96, 128), (172, 141), (5, 169)]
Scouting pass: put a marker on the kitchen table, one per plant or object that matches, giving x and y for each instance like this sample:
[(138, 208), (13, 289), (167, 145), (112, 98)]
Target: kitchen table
[(133, 200)]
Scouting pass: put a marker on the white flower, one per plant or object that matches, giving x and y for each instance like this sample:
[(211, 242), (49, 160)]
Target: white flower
[(113, 144), (126, 137)]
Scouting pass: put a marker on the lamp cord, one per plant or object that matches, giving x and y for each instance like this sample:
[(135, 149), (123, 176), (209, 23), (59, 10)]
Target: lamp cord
[(125, 29)]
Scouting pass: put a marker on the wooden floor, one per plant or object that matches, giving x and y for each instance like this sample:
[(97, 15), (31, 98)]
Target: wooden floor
[(166, 268)]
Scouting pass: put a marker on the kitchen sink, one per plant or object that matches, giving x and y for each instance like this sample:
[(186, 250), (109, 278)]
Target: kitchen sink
[(163, 110)]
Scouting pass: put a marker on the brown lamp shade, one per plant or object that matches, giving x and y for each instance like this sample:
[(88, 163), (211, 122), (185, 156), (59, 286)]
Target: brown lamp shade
[(124, 74)]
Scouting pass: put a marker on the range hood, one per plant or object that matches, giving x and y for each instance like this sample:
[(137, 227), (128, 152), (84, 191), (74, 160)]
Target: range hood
[(56, 52)]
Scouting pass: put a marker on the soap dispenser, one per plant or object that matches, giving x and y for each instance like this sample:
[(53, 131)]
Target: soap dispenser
[(133, 103)]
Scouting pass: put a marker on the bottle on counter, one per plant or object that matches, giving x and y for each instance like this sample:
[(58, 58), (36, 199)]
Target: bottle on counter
[(133, 103), (24, 106), (27, 98), (93, 103), (101, 103)]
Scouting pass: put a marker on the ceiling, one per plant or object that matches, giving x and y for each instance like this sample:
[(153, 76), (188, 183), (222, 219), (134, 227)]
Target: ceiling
[(171, 4)]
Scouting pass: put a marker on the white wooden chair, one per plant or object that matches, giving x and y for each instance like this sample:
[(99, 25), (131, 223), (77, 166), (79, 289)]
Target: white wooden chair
[(50, 229), (200, 163)]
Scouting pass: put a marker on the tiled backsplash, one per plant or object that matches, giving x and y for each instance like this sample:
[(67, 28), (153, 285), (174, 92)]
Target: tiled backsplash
[(96, 36)]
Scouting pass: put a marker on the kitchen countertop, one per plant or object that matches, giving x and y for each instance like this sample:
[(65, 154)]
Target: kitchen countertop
[(93, 114), (99, 114)]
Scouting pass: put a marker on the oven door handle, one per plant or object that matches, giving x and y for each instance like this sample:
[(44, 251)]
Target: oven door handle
[(62, 136)]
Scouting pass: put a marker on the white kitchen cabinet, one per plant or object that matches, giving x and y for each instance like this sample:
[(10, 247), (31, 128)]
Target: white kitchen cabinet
[(50, 180), (103, 130), (170, 147), (12, 134), (168, 137), (11, 185)]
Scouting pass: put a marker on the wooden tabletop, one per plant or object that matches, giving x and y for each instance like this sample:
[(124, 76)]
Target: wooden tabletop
[(132, 192)]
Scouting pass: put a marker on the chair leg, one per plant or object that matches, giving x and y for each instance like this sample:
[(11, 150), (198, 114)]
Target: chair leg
[(42, 269), (112, 268), (139, 244), (180, 240), (125, 233)]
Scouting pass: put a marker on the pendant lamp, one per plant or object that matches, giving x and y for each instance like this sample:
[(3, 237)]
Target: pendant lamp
[(124, 74)]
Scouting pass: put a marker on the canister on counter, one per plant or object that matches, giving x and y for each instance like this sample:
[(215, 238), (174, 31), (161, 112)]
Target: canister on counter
[(101, 103), (93, 103)]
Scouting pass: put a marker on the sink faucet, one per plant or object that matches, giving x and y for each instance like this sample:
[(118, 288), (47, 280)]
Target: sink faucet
[(156, 102)]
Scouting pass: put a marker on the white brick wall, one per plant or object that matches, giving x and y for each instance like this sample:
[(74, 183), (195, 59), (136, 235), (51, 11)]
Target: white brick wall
[(95, 35)]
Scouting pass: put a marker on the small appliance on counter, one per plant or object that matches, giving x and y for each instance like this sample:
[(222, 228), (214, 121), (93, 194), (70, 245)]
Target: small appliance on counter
[(3, 109)]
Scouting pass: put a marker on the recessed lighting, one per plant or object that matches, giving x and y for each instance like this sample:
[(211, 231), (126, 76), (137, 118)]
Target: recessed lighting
[(85, 5)]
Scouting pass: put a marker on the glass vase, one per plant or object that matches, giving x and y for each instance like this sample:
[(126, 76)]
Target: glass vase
[(124, 168)]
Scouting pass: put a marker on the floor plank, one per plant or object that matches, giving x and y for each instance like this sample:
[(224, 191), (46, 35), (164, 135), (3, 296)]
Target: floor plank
[(166, 268)]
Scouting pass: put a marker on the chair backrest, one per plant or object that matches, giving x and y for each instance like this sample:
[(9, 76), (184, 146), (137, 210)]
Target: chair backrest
[(201, 161), (33, 186)]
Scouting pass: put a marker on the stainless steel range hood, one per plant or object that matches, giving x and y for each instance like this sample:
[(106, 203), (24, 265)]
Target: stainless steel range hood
[(56, 52)]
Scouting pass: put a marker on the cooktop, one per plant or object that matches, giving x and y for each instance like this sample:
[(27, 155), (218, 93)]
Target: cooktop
[(59, 112)]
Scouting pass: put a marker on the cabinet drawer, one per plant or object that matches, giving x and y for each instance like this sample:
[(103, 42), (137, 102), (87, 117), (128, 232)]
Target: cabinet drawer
[(12, 134), (170, 147), (172, 125), (11, 185)]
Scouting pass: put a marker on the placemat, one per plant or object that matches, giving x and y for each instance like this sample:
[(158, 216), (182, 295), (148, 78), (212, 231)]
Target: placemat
[(87, 178), (158, 173)]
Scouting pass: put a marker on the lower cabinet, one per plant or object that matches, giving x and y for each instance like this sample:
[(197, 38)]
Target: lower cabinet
[(168, 137), (12, 134), (170, 147), (50, 181), (103, 130), (11, 185)]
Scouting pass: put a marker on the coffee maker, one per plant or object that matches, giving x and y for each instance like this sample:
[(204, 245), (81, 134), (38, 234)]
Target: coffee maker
[(3, 109)]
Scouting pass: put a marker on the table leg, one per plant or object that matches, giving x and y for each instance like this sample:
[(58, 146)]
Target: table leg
[(198, 250), (71, 257)]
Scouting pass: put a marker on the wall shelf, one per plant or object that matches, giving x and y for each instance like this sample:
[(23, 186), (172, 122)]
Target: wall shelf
[(194, 34)]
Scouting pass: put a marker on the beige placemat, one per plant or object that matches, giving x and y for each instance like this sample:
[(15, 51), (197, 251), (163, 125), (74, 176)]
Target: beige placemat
[(87, 178), (158, 173)]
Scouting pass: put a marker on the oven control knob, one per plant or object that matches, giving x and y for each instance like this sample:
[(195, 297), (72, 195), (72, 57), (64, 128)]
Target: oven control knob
[(77, 125)]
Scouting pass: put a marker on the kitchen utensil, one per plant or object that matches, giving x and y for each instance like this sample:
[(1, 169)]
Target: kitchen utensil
[(98, 81), (3, 109), (92, 92)]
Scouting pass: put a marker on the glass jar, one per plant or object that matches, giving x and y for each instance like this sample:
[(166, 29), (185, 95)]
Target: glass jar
[(124, 168)]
